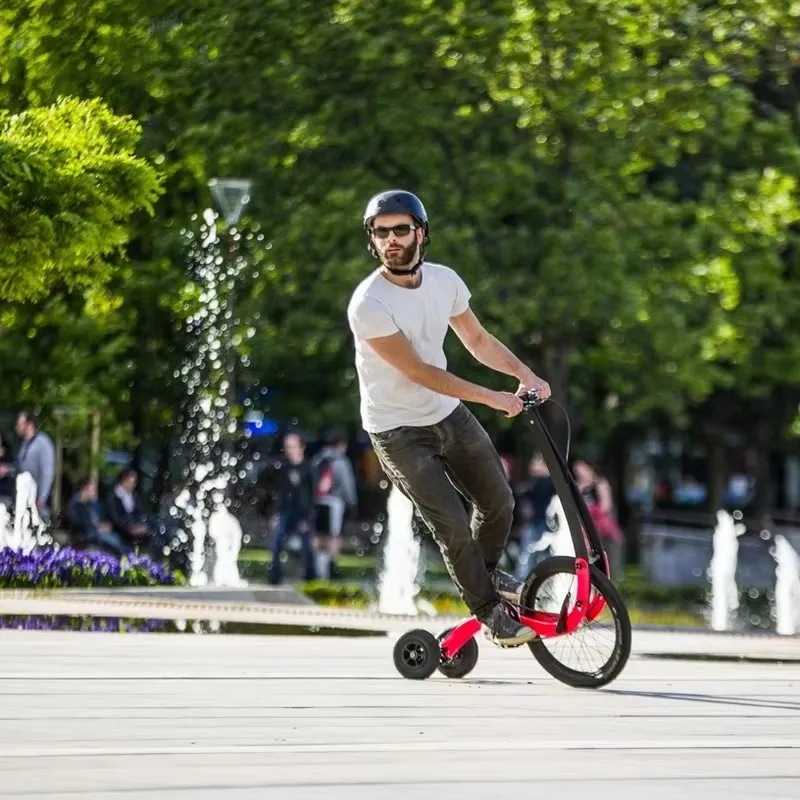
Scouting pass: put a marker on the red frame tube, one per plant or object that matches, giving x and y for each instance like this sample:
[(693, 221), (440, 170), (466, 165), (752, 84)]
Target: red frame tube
[(545, 624)]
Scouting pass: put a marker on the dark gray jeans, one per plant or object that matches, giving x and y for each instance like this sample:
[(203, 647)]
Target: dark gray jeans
[(431, 465)]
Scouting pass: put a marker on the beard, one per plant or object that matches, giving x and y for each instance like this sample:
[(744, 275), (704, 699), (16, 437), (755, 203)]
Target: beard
[(400, 258)]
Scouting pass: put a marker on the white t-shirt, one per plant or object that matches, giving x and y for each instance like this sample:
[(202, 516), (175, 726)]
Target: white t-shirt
[(379, 307)]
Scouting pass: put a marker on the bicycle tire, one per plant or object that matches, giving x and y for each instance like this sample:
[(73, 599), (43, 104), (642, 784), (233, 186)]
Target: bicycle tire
[(614, 602), (463, 662)]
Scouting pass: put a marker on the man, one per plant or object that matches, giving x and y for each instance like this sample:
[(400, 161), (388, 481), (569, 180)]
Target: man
[(427, 440), (122, 509), (36, 456), (83, 522), (334, 492), (295, 506), (536, 497)]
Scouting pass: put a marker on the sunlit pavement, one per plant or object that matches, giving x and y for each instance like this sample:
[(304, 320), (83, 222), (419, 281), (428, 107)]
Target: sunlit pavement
[(185, 716)]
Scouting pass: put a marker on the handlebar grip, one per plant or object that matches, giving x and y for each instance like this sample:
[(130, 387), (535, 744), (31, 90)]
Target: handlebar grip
[(531, 399)]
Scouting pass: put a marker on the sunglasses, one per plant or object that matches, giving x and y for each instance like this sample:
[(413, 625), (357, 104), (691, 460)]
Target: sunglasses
[(398, 230)]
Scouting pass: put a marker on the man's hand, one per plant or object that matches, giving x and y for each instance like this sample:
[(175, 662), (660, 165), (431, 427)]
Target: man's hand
[(509, 403), (528, 380)]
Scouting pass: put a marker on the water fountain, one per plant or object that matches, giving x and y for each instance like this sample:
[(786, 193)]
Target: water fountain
[(192, 516), (29, 530), (787, 587), (397, 584), (722, 571), (557, 536), (208, 375), (226, 533)]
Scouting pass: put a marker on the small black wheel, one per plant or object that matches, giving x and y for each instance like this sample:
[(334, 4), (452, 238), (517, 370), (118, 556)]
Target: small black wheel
[(417, 654), (612, 626), (463, 662)]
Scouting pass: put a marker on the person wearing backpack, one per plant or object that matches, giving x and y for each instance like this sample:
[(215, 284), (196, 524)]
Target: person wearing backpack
[(334, 493)]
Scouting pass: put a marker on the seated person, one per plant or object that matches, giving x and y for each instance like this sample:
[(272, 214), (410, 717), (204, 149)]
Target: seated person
[(123, 511), (158, 535), (84, 523)]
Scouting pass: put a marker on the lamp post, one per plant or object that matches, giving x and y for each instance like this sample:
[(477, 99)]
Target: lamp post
[(231, 196)]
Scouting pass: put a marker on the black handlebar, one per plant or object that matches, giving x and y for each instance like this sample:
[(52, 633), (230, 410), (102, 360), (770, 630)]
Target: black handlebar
[(576, 513), (531, 399)]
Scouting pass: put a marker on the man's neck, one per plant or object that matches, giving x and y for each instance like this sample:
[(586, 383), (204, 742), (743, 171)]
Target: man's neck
[(406, 281)]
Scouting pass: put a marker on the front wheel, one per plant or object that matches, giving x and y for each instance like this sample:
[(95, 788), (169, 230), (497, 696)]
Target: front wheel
[(463, 662), (598, 648)]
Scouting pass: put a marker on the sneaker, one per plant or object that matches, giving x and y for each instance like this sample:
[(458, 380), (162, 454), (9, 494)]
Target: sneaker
[(507, 586), (505, 631)]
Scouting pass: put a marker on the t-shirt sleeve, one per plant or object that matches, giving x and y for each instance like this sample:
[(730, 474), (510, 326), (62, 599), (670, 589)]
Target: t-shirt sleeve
[(370, 319), (461, 296)]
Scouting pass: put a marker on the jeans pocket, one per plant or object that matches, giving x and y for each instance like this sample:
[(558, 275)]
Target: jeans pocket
[(392, 445), (390, 438)]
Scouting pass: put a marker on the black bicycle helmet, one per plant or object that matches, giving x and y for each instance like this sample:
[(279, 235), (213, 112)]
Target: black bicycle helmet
[(396, 201)]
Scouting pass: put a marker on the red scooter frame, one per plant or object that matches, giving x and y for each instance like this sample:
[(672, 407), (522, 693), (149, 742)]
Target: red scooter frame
[(588, 549)]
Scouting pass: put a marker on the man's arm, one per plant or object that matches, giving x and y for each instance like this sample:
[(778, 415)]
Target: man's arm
[(492, 353), (604, 495), (397, 351), (45, 455), (346, 479), (485, 347)]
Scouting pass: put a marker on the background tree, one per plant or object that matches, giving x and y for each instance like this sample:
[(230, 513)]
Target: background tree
[(616, 183), (71, 182)]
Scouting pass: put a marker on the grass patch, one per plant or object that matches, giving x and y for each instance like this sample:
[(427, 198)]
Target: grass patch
[(671, 617), (254, 565), (343, 595), (637, 592), (353, 595)]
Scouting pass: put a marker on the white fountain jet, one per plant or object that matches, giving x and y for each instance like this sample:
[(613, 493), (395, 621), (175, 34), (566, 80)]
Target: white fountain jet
[(787, 587), (722, 571), (397, 585), (29, 530), (558, 535), (226, 534)]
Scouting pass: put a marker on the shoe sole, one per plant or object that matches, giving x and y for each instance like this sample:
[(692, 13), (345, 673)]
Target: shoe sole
[(517, 641)]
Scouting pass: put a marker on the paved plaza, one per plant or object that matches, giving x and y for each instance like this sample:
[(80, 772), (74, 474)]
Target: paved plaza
[(93, 715)]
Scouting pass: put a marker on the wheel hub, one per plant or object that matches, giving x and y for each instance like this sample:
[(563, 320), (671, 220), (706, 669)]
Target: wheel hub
[(413, 655)]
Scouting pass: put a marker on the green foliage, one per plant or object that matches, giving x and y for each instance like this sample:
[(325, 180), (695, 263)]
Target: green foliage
[(616, 182), (324, 593), (70, 183), (603, 177)]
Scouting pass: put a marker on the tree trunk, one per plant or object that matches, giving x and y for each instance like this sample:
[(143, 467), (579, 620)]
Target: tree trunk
[(778, 470), (760, 468), (717, 472)]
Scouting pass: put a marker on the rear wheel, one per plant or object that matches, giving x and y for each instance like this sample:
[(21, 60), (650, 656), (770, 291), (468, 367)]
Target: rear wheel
[(417, 654), (596, 652), (463, 662)]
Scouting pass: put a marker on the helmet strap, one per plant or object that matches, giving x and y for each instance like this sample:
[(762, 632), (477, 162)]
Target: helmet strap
[(408, 272)]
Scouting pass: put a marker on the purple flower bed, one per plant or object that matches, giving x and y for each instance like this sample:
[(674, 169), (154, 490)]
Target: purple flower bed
[(31, 622), (64, 567)]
